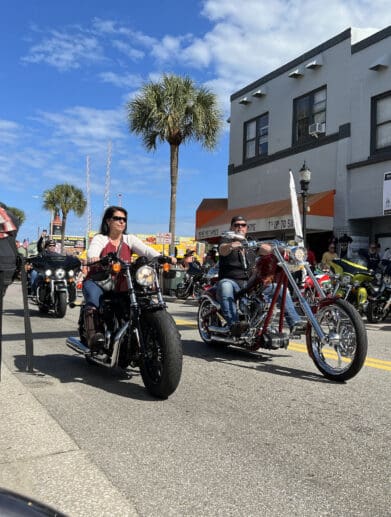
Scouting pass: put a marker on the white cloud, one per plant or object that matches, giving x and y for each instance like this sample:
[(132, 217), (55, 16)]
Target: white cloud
[(128, 50), (65, 51), (9, 131), (122, 80)]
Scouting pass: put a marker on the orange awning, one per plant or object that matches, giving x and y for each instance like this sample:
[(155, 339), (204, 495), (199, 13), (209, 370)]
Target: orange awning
[(272, 216)]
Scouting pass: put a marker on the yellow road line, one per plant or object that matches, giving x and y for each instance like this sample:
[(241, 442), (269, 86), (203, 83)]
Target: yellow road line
[(371, 362)]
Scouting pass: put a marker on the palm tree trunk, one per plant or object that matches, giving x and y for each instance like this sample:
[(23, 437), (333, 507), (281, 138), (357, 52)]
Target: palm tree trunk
[(64, 221), (174, 153)]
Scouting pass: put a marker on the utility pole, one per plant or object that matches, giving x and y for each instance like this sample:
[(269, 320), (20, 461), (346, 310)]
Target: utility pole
[(106, 201), (89, 216)]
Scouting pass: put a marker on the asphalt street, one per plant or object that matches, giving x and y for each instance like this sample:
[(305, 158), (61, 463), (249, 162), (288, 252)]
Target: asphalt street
[(245, 434)]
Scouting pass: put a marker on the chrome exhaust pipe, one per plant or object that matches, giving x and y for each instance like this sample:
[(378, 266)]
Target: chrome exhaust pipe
[(77, 345), (218, 330), (229, 340)]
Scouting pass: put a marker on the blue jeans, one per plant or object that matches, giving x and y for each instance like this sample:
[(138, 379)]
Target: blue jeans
[(290, 313), (225, 294), (92, 294)]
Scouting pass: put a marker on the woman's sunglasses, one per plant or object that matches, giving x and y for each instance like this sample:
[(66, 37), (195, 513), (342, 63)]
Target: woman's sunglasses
[(119, 218)]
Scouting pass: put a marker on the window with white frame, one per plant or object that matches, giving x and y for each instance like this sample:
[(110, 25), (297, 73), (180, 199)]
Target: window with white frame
[(256, 137), (307, 110), (381, 123)]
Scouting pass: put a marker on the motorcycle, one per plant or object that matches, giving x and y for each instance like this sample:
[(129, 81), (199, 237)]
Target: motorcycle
[(379, 297), (138, 330), (351, 282), (336, 338), (56, 287), (192, 284)]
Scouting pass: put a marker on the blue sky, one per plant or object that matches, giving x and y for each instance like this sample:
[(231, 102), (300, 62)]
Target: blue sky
[(69, 68)]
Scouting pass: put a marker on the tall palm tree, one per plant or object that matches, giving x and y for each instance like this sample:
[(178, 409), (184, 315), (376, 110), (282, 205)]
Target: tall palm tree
[(64, 198), (175, 110)]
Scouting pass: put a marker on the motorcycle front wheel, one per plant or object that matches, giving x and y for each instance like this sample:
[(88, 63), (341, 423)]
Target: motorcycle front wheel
[(60, 304), (182, 292), (161, 365), (207, 317), (374, 312), (343, 356)]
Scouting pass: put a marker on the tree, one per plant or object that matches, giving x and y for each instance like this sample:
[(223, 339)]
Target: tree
[(64, 198), (175, 110), (18, 213)]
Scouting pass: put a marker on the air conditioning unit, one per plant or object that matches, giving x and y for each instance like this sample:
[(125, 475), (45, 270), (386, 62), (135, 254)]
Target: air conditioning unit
[(317, 129)]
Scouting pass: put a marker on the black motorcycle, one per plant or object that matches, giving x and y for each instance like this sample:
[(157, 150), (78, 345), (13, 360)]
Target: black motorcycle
[(56, 285), (138, 330), (193, 283), (379, 298)]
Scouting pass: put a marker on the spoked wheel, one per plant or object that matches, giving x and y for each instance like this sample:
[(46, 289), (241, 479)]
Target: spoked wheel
[(344, 353), (207, 317), (182, 292), (161, 366), (374, 312)]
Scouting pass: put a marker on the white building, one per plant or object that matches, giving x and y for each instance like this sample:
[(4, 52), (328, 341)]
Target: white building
[(329, 108)]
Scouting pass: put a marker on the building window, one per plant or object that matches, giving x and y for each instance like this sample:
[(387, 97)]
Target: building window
[(307, 110), (381, 123), (256, 136)]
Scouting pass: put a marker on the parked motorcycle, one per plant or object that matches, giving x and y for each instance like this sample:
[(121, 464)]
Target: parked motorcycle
[(138, 330), (351, 282), (379, 296), (335, 333), (56, 286), (192, 283)]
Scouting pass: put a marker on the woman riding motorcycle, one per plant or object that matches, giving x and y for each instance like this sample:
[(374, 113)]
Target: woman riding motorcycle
[(111, 239)]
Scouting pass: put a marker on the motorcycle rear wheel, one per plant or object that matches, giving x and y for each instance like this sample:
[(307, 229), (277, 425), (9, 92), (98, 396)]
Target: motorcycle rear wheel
[(161, 366), (374, 312), (343, 357)]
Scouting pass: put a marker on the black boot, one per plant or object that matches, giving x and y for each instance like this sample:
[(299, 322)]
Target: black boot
[(95, 338)]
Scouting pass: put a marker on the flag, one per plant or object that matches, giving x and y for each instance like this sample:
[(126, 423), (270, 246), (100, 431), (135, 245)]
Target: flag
[(295, 210)]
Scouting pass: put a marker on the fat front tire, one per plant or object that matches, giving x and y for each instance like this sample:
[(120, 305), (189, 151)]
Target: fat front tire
[(161, 366), (60, 304), (343, 356)]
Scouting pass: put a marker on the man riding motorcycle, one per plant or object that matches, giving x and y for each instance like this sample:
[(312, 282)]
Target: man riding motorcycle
[(35, 277), (236, 264)]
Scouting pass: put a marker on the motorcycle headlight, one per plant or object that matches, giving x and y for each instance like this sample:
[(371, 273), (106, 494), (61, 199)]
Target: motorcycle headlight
[(71, 273), (145, 276), (48, 272), (59, 274), (345, 280)]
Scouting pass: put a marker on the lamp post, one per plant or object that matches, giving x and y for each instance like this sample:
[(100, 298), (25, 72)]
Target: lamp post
[(305, 178)]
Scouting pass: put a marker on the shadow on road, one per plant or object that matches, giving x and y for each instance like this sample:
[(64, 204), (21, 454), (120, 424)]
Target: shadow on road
[(75, 369), (259, 360)]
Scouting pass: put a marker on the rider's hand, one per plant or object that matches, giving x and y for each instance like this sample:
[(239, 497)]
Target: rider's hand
[(173, 260)]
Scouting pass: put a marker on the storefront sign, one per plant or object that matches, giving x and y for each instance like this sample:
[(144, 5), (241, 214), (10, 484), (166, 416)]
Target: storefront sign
[(387, 194)]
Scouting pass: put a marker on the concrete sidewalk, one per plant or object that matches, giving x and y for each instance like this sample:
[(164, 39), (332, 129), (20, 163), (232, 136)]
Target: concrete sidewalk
[(40, 460)]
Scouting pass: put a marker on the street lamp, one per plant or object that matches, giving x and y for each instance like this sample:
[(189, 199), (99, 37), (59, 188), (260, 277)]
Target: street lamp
[(305, 178)]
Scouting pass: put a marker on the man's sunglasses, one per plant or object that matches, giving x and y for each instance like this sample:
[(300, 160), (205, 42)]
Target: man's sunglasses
[(237, 225), (119, 218)]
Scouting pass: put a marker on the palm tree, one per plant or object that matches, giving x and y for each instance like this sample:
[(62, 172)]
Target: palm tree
[(175, 110), (64, 198), (18, 213)]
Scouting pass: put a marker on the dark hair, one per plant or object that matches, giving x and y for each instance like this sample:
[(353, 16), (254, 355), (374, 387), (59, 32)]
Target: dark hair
[(238, 218), (109, 212)]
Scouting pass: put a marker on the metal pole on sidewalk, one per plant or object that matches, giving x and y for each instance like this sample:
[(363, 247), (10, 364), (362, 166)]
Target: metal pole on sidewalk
[(28, 339), (1, 312)]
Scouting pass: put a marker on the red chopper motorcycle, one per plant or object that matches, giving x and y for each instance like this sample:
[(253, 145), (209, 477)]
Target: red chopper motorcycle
[(335, 334)]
